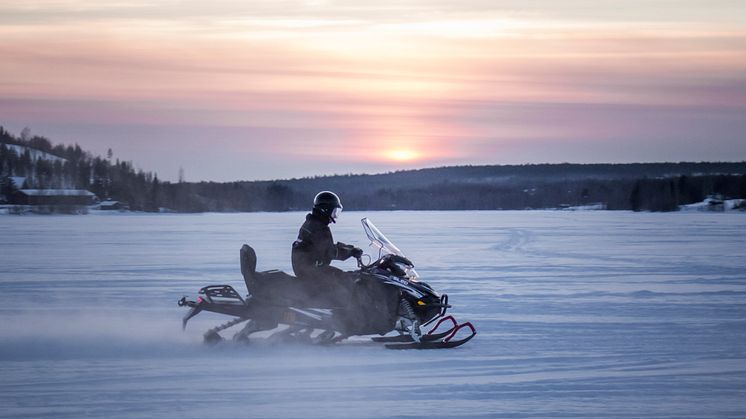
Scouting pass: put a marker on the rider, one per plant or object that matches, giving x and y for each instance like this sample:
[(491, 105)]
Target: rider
[(367, 305), (314, 249)]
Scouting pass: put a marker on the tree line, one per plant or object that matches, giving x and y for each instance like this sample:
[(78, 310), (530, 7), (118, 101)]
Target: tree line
[(638, 186), (70, 167)]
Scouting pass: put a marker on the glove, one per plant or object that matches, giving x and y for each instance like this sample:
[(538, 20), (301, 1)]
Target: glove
[(356, 252)]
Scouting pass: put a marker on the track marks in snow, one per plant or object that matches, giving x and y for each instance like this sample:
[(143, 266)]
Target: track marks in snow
[(516, 241)]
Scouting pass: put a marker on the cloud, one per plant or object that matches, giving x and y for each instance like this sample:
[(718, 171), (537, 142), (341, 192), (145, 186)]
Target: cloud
[(332, 82)]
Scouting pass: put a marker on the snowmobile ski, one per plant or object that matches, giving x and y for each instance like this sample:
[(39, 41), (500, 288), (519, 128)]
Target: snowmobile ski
[(429, 337), (408, 338), (428, 345), (446, 343)]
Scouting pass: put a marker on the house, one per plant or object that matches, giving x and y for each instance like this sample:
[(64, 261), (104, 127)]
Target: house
[(110, 205), (54, 197)]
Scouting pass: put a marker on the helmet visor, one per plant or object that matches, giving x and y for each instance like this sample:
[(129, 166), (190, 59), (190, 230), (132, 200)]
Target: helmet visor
[(335, 212)]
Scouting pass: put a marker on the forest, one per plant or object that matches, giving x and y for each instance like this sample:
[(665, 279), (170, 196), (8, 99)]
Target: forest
[(634, 186)]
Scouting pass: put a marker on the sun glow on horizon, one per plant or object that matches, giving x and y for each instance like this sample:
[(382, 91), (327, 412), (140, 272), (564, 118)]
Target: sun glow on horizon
[(402, 155)]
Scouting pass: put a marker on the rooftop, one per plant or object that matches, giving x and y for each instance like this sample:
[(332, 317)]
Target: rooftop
[(57, 192)]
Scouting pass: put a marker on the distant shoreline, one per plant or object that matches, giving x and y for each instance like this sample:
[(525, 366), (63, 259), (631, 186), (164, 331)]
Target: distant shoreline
[(727, 206), (67, 179)]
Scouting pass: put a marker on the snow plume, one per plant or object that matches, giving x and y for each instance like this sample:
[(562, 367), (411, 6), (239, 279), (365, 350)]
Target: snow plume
[(87, 334)]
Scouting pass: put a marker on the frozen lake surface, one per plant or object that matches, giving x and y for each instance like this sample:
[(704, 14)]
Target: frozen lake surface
[(580, 314)]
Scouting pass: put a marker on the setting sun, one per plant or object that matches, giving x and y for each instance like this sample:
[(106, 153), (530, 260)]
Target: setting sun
[(402, 155)]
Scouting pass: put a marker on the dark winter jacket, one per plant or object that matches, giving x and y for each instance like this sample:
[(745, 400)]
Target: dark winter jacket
[(315, 248)]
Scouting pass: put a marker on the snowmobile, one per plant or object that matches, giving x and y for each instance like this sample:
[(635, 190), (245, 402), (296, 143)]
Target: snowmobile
[(385, 296)]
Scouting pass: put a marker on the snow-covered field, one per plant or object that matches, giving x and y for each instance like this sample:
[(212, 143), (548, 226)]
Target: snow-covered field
[(580, 314)]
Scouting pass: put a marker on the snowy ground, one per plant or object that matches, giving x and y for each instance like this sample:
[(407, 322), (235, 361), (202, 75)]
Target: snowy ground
[(580, 314)]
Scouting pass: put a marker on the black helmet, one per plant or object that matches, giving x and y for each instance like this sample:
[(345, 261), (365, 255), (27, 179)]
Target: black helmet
[(327, 202)]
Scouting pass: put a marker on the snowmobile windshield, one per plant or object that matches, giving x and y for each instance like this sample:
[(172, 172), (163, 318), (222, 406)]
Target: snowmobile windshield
[(385, 246)]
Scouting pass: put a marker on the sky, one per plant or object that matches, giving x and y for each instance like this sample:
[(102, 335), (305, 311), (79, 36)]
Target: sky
[(248, 90)]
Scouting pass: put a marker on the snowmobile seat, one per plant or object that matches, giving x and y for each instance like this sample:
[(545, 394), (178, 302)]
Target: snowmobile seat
[(279, 288), (247, 257), (274, 285)]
